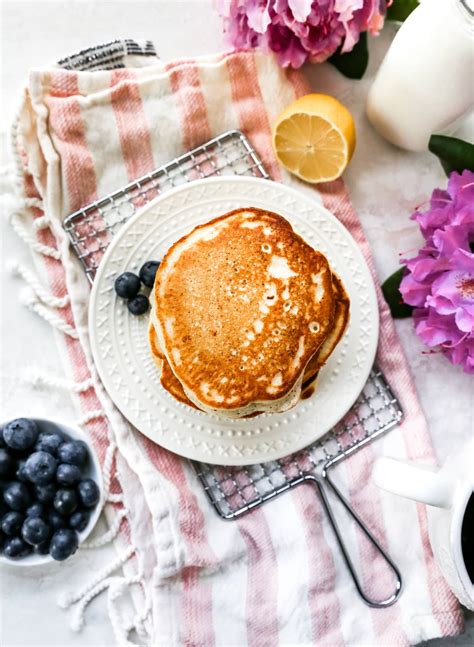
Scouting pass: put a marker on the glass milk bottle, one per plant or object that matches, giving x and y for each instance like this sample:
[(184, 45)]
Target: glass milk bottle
[(426, 81)]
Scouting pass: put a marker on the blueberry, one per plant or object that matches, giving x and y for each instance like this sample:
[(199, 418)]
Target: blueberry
[(36, 510), (11, 523), (148, 273), (79, 520), (65, 502), (138, 305), (6, 462), (40, 468), (17, 496), (16, 547), (74, 452), (49, 441), (56, 520), (34, 531), (63, 544), (68, 474), (20, 433), (45, 493), (20, 472), (127, 285), (89, 493), (43, 548), (2, 439)]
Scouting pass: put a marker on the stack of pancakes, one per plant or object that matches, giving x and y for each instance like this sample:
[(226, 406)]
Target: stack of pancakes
[(244, 314)]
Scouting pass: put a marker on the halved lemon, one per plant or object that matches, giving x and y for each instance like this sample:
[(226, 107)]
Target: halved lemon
[(314, 138)]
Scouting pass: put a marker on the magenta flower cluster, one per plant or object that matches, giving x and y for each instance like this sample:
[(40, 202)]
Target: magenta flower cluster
[(300, 30), (440, 279)]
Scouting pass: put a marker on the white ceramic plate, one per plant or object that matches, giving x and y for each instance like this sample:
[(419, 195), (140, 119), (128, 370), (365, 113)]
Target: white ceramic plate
[(120, 346)]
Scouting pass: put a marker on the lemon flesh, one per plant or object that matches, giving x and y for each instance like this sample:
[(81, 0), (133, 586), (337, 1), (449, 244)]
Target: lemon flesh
[(314, 138)]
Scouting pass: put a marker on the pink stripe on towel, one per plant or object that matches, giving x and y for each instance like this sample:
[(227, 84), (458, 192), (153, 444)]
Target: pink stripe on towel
[(65, 118), (132, 124), (262, 581)]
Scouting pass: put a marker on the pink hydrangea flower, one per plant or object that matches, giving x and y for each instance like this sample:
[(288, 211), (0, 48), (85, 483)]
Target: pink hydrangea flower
[(440, 279), (299, 30)]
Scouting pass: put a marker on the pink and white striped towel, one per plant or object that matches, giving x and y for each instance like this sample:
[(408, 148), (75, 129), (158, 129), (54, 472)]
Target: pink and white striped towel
[(275, 576)]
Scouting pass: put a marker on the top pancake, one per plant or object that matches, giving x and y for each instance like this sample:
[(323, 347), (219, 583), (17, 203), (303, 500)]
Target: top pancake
[(240, 305)]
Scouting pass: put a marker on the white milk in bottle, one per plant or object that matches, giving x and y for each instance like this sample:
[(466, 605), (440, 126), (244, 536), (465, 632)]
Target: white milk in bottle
[(426, 81)]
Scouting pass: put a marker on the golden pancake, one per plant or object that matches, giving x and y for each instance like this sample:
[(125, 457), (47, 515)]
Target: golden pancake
[(240, 305)]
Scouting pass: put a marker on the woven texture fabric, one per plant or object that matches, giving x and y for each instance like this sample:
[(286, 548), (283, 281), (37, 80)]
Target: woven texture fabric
[(276, 575)]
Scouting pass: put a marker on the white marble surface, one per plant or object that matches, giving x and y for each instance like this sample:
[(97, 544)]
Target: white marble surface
[(385, 185)]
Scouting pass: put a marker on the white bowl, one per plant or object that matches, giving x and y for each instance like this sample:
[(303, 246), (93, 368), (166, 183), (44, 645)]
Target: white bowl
[(92, 470)]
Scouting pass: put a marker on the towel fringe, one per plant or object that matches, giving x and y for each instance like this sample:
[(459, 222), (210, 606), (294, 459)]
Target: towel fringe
[(68, 599), (115, 587), (91, 415), (17, 269), (31, 301), (120, 626), (16, 221), (40, 223), (39, 379), (109, 535)]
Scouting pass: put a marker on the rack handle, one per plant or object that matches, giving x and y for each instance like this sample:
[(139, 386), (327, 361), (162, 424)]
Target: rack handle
[(378, 604)]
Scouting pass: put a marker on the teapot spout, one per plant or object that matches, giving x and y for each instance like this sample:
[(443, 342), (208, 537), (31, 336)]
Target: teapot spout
[(418, 482)]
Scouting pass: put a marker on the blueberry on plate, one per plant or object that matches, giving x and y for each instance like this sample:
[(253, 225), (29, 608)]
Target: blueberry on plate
[(34, 531), (68, 474), (36, 510), (138, 305), (148, 272), (17, 496), (63, 544), (43, 548), (20, 471), (127, 285), (65, 501), (20, 434), (6, 462), (45, 493), (11, 523), (49, 441), (40, 468), (79, 520), (89, 493), (16, 547), (56, 520), (73, 452)]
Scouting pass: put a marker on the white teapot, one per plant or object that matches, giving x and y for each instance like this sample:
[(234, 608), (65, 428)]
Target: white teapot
[(446, 492)]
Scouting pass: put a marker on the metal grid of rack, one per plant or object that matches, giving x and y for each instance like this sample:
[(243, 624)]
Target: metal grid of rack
[(236, 490), (92, 227)]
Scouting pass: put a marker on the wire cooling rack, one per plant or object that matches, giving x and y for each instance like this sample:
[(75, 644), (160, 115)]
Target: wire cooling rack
[(91, 228), (234, 491)]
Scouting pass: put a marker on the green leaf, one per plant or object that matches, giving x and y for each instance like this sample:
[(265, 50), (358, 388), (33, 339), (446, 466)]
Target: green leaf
[(399, 10), (354, 63), (454, 154), (391, 292)]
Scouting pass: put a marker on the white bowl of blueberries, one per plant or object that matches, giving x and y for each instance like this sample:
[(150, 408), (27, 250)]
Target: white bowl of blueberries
[(50, 491)]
